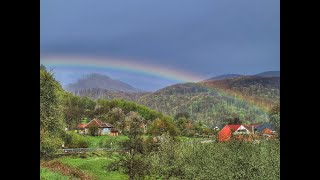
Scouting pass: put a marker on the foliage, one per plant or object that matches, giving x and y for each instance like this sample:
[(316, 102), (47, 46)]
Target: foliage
[(74, 140), (105, 141), (132, 163), (163, 125), (51, 113), (231, 160), (49, 144), (46, 174), (114, 111), (274, 117), (77, 109), (208, 105), (261, 91)]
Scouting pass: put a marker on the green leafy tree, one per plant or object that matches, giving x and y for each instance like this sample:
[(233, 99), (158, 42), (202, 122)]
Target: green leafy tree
[(132, 162), (274, 117), (163, 125), (51, 114)]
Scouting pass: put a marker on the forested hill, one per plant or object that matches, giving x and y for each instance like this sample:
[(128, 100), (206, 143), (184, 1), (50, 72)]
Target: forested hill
[(98, 81), (261, 91), (213, 102), (225, 76), (204, 104), (269, 74), (98, 93)]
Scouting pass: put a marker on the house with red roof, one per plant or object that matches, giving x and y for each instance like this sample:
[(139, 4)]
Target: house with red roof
[(97, 127), (230, 130)]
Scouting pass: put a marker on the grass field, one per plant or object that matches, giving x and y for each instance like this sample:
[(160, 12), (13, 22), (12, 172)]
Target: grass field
[(104, 141), (95, 165), (46, 174)]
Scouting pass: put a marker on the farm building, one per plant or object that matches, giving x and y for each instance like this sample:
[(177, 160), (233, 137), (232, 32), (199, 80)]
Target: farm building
[(232, 129)]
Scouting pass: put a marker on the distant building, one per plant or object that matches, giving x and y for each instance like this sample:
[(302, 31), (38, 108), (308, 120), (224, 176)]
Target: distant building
[(247, 132), (229, 130), (97, 127), (266, 130)]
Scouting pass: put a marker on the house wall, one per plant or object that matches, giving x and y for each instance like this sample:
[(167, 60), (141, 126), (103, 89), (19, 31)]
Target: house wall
[(224, 134), (242, 128), (105, 131)]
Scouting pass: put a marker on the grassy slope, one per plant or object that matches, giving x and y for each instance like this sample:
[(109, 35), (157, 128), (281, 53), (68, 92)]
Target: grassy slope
[(95, 166), (46, 174)]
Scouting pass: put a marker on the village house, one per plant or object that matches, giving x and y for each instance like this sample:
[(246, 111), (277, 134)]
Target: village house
[(229, 130), (97, 127), (241, 132), (266, 130)]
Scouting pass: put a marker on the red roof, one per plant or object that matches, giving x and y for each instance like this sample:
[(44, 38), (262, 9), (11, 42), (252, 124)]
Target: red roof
[(234, 127), (81, 126), (98, 123)]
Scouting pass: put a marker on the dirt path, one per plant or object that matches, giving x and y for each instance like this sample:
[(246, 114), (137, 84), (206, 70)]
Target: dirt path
[(55, 165)]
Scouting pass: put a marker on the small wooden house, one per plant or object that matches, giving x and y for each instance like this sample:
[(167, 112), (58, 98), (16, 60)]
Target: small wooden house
[(97, 127)]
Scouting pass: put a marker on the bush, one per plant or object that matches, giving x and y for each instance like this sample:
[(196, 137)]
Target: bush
[(49, 144), (74, 140), (231, 160)]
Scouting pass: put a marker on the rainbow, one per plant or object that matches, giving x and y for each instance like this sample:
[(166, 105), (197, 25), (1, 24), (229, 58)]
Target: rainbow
[(119, 64)]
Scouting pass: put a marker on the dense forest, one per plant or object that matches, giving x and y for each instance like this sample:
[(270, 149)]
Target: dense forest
[(212, 102), (204, 104), (261, 91), (98, 93)]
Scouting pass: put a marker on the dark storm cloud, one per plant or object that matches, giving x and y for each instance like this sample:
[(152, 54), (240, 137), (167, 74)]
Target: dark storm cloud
[(207, 37)]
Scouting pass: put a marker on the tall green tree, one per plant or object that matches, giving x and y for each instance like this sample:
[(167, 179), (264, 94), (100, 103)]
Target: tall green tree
[(51, 113), (132, 162), (274, 117)]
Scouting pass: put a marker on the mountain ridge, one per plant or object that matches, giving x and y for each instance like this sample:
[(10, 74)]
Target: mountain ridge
[(99, 81)]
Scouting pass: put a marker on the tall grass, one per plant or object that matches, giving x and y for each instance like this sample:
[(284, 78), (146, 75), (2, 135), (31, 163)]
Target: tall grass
[(46, 174)]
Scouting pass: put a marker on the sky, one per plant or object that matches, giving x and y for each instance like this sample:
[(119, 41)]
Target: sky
[(191, 38)]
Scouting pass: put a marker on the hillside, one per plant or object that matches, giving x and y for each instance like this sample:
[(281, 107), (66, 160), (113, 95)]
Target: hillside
[(269, 74), (96, 93), (212, 101), (98, 81), (225, 76), (261, 91), (202, 103)]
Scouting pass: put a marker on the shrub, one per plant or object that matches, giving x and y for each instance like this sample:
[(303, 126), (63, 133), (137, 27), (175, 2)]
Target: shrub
[(49, 144), (74, 140)]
